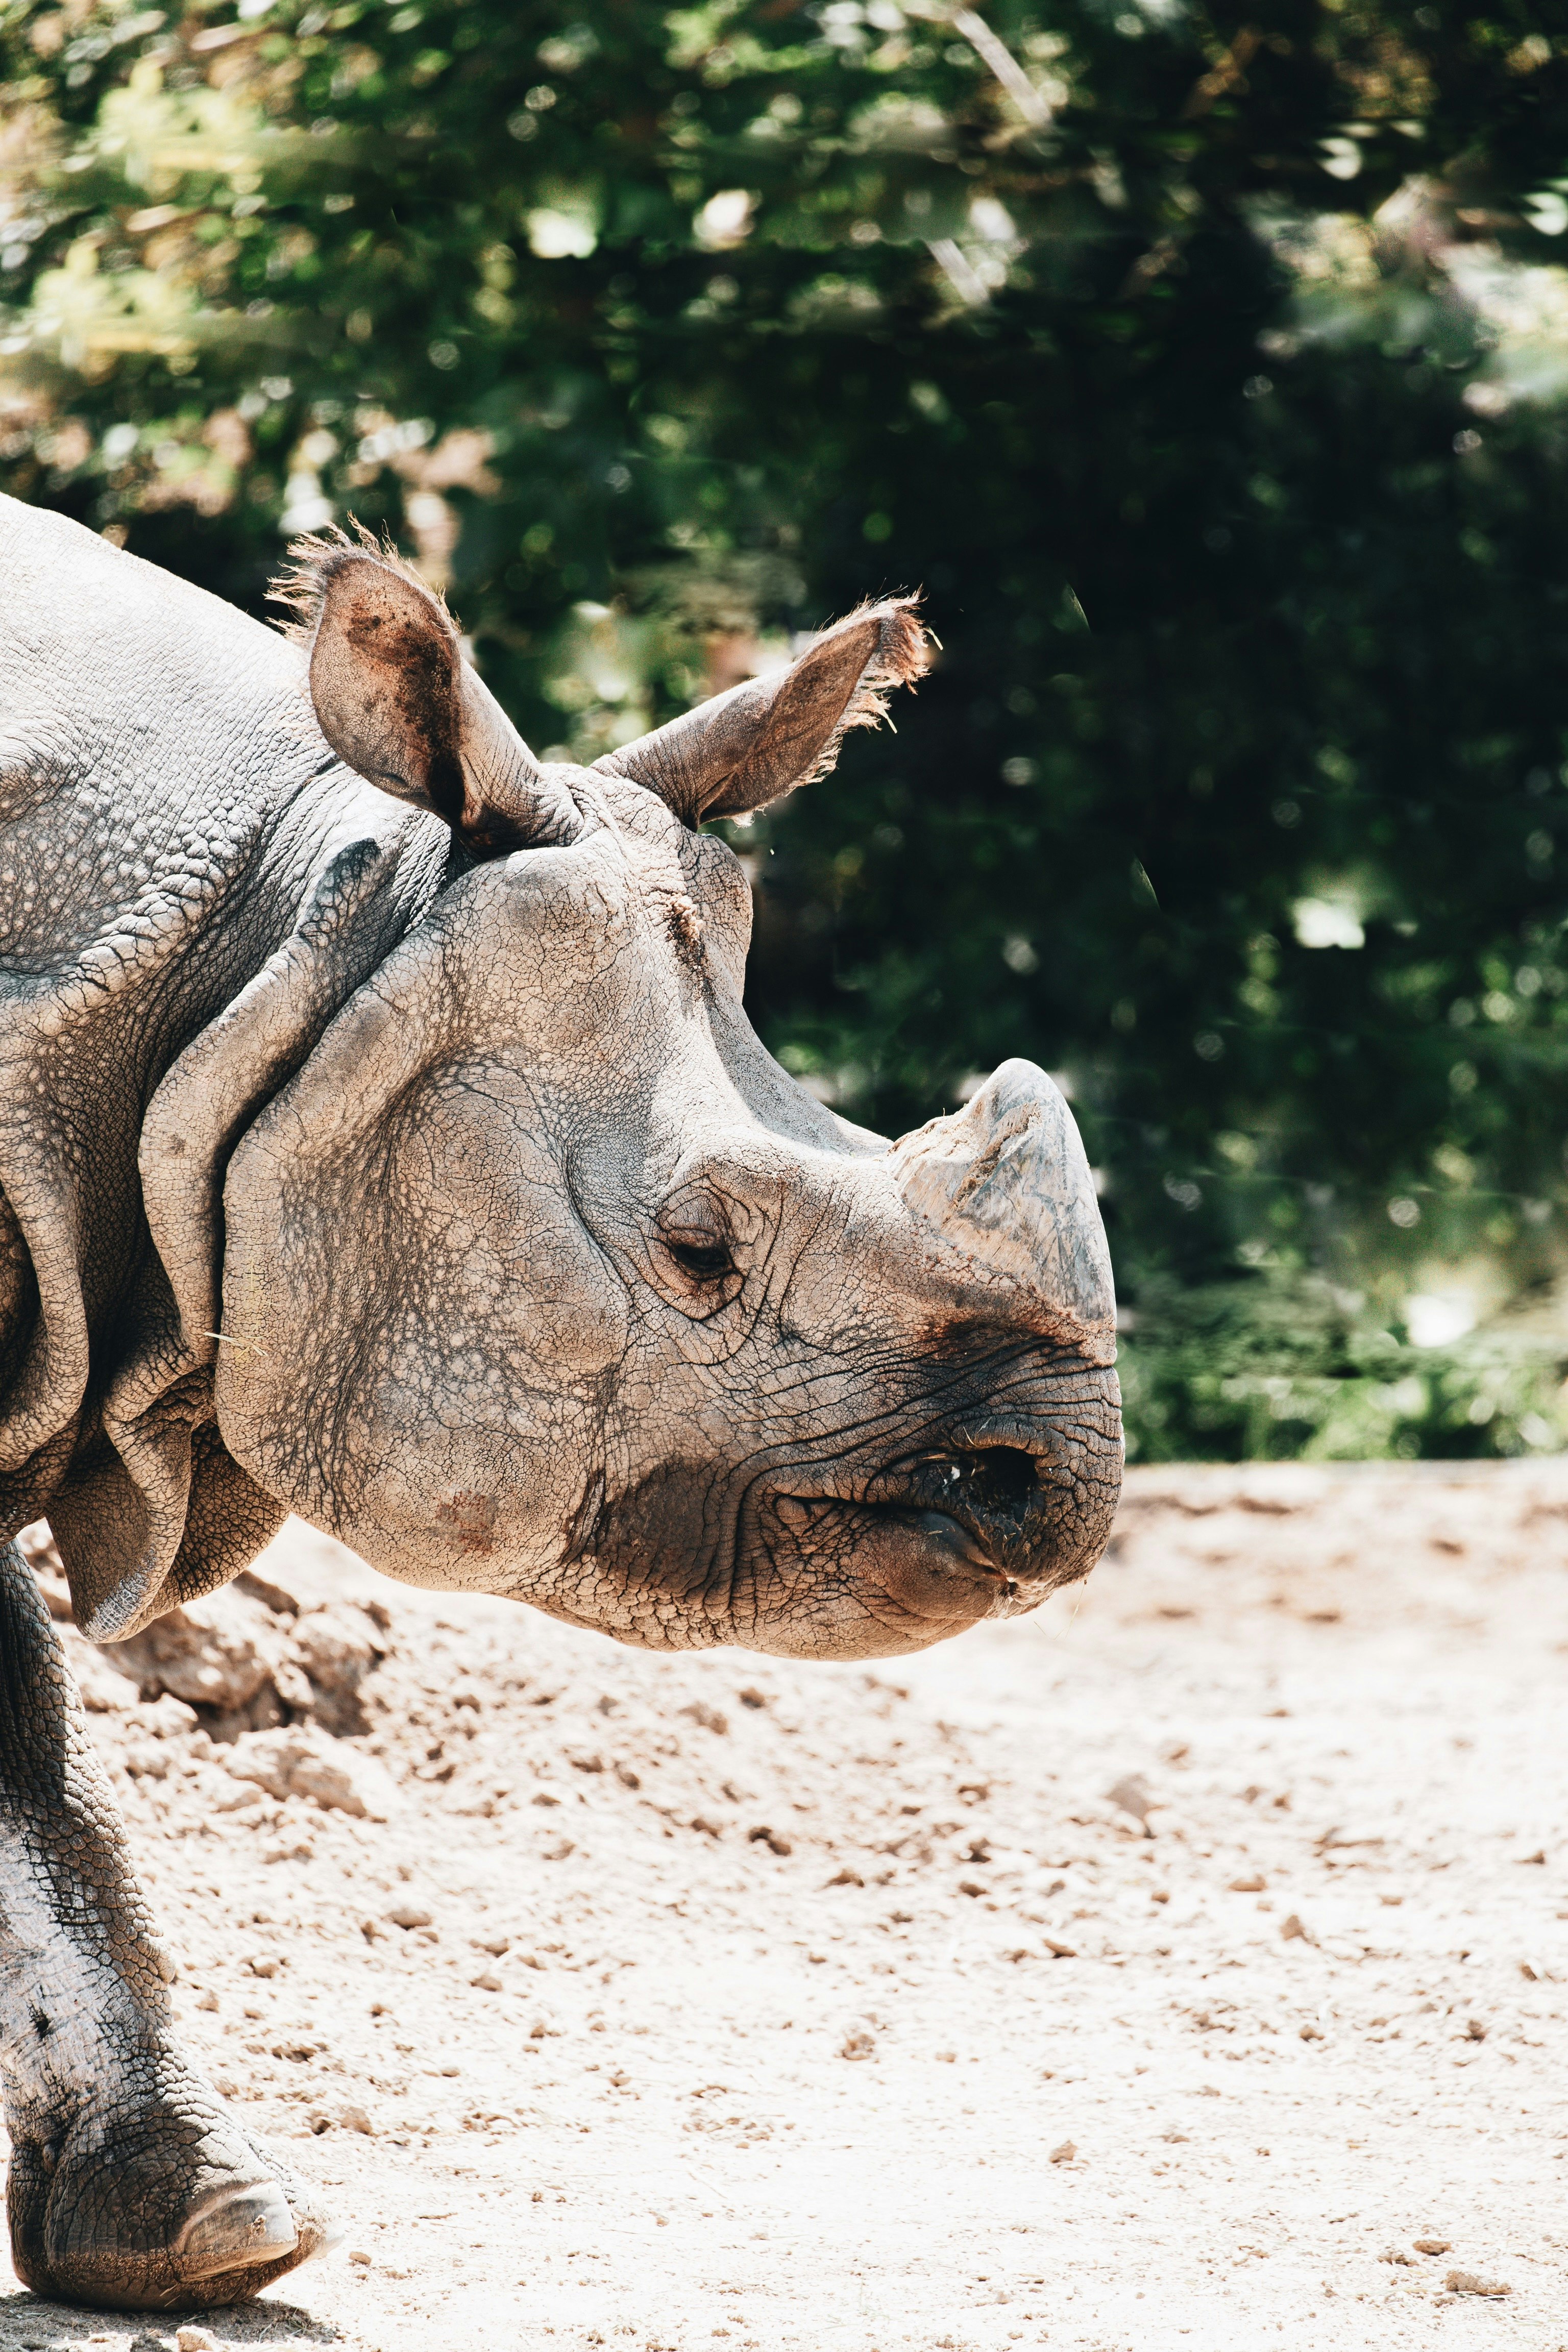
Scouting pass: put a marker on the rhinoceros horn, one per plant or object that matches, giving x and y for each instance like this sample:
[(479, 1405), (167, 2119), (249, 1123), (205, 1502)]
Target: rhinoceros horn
[(1006, 1182)]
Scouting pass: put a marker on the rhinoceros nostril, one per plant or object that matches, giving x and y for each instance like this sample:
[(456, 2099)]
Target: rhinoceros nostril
[(996, 1482)]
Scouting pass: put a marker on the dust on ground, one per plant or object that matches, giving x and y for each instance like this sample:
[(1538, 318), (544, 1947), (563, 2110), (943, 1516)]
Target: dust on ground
[(685, 2001)]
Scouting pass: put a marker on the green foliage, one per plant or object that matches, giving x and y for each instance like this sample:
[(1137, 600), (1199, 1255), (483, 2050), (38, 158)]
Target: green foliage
[(1273, 1370), (1205, 366)]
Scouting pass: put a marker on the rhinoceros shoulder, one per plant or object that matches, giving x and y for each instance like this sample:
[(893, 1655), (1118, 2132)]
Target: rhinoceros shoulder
[(168, 812)]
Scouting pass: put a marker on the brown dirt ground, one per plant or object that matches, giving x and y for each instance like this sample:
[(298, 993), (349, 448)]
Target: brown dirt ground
[(805, 1978)]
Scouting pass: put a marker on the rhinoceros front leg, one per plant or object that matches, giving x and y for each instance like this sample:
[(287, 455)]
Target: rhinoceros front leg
[(131, 2186)]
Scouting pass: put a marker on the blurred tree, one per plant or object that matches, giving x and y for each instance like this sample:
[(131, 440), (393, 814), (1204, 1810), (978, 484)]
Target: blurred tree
[(1205, 365)]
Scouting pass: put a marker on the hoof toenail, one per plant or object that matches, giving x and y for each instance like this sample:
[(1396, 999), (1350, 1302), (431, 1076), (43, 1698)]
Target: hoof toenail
[(239, 2226)]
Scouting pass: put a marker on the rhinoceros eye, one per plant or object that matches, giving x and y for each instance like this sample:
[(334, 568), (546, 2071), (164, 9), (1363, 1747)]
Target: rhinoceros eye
[(703, 1261), (695, 1240)]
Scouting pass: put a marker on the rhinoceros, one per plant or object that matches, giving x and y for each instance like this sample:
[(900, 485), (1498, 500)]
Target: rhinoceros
[(382, 1139)]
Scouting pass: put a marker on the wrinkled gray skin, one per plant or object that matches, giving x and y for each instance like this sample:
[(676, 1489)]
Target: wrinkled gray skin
[(397, 1151)]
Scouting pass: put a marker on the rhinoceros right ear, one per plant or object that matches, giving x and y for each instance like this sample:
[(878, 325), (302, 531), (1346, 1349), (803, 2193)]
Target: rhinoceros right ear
[(396, 700), (745, 748)]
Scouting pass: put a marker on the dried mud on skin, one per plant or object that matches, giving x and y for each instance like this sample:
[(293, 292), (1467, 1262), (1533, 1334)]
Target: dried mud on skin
[(689, 2002)]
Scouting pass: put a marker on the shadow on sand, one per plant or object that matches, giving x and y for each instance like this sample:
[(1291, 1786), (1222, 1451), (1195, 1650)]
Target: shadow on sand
[(28, 2324)]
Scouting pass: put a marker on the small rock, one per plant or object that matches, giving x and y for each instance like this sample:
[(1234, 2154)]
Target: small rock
[(1395, 2254), (354, 2119), (275, 1597), (357, 2254), (264, 1964), (409, 1914), (859, 2043), (770, 1839), (296, 1850), (332, 1652), (294, 1687), (245, 1798), (1295, 1928), (1059, 1952), (1467, 2283), (1064, 2154), (1432, 2245), (219, 1651), (195, 2339), (301, 1761), (487, 1981), (1474, 2030), (1252, 1882), (1132, 1793), (845, 1878), (207, 1999)]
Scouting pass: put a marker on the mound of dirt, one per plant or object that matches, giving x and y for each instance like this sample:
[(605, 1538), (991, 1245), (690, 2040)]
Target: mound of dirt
[(1162, 1968)]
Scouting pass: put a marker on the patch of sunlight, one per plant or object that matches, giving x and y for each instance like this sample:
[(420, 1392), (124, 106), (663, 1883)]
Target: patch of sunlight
[(1436, 1318), (1327, 923)]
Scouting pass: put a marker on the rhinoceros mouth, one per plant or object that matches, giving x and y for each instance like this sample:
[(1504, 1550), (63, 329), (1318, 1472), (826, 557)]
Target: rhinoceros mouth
[(995, 1485), (959, 1529), (833, 1554), (993, 1489)]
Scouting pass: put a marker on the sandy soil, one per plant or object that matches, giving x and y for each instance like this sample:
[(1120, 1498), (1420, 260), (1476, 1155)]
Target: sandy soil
[(820, 2007)]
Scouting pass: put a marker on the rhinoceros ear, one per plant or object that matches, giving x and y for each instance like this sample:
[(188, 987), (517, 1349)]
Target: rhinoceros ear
[(396, 700), (745, 748)]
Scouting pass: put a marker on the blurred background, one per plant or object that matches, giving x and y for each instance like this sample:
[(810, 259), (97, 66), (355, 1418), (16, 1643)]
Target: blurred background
[(1206, 367)]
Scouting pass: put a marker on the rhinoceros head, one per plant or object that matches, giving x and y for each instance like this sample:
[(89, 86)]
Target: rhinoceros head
[(541, 1275)]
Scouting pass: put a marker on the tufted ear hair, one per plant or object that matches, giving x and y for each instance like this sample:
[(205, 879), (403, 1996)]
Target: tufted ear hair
[(396, 700), (745, 748)]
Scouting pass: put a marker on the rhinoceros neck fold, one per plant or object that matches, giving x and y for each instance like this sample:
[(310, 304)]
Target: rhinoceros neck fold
[(168, 813)]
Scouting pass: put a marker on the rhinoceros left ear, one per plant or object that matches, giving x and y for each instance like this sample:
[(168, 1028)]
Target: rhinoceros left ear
[(745, 748), (396, 700)]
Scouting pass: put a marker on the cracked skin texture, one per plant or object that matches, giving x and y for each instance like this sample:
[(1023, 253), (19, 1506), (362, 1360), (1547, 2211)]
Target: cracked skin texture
[(332, 1022)]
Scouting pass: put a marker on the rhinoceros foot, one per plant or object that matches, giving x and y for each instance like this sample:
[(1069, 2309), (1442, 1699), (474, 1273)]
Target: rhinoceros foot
[(168, 2206)]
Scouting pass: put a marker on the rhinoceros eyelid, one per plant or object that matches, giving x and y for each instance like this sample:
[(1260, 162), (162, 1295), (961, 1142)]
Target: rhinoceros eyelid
[(703, 1261)]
